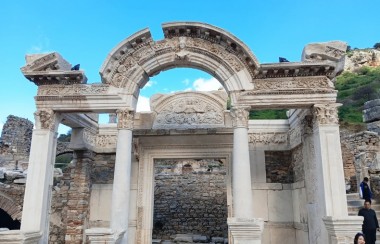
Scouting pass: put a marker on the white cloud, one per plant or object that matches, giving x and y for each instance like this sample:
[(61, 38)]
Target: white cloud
[(143, 104), (149, 84), (186, 82), (202, 84)]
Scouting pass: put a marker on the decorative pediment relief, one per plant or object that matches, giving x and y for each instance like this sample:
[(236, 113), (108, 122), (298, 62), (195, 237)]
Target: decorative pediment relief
[(189, 110)]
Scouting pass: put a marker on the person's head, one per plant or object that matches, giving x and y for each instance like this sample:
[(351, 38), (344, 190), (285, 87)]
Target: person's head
[(365, 179), (359, 238), (367, 204)]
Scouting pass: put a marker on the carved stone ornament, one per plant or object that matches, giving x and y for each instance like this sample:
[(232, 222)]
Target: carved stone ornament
[(125, 119), (326, 113), (268, 138), (189, 113), (293, 83), (44, 119), (73, 90), (240, 116)]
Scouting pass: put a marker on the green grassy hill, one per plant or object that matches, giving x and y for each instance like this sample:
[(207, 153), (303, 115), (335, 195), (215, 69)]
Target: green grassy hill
[(354, 89)]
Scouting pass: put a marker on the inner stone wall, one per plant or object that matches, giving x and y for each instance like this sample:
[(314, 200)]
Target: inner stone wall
[(278, 167), (190, 196)]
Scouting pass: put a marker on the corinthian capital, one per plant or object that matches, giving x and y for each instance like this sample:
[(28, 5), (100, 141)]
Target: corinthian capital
[(326, 113), (44, 119), (240, 116), (125, 119)]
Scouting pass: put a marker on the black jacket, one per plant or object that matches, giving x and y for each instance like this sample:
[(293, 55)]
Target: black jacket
[(370, 219)]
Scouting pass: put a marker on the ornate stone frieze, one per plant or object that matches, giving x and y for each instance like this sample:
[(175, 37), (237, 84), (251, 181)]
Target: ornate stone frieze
[(326, 113), (125, 119), (188, 110), (267, 138), (291, 83), (45, 119), (73, 90), (99, 141), (240, 116)]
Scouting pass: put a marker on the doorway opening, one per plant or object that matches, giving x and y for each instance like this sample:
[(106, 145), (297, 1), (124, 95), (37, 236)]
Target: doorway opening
[(190, 197)]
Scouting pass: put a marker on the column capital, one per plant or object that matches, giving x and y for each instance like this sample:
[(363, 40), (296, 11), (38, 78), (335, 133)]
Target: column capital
[(343, 229), (239, 116), (326, 114), (45, 119), (125, 119)]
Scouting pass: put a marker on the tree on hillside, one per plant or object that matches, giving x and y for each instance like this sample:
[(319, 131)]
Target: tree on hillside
[(366, 92), (377, 45)]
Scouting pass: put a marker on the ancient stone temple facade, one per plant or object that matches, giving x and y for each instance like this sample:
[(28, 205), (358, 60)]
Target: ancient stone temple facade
[(279, 181)]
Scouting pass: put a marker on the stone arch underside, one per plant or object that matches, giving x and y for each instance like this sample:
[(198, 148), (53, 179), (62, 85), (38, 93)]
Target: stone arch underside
[(193, 45), (9, 206)]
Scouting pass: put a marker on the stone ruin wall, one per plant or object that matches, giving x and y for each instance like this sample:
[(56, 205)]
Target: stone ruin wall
[(190, 196), (17, 136)]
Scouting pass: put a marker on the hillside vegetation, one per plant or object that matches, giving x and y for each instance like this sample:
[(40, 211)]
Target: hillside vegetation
[(354, 89)]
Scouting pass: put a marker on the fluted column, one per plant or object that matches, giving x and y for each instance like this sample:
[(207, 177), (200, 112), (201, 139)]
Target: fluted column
[(122, 176), (332, 201), (35, 213), (242, 227)]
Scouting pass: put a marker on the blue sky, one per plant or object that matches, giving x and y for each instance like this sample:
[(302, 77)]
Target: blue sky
[(85, 31)]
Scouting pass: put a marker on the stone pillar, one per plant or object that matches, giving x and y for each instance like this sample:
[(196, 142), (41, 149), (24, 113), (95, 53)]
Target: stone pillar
[(242, 228), (35, 214), (122, 175), (332, 201)]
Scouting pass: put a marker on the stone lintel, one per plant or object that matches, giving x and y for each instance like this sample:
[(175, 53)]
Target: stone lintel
[(342, 229), (19, 237), (245, 230)]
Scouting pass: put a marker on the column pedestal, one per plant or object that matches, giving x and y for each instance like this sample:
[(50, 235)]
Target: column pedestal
[(245, 230), (342, 230), (19, 237), (103, 236)]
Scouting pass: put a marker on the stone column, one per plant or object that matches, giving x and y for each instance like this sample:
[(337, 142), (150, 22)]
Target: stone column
[(330, 182), (35, 214), (122, 176), (243, 228)]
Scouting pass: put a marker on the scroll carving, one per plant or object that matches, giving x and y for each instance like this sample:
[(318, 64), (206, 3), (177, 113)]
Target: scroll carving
[(125, 119), (268, 138), (45, 118), (326, 113), (240, 116), (101, 141), (73, 90), (292, 83)]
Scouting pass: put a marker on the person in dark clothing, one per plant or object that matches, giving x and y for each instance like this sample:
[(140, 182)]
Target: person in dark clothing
[(370, 223), (365, 190)]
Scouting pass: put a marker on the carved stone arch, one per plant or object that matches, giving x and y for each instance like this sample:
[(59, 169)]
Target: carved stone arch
[(9, 206), (186, 44)]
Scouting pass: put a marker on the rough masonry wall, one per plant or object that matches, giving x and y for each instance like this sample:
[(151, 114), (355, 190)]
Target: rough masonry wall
[(278, 166), (17, 133), (365, 144), (190, 196)]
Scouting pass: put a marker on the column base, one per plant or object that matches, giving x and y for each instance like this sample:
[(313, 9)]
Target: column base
[(343, 230), (245, 230), (19, 237), (103, 236)]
